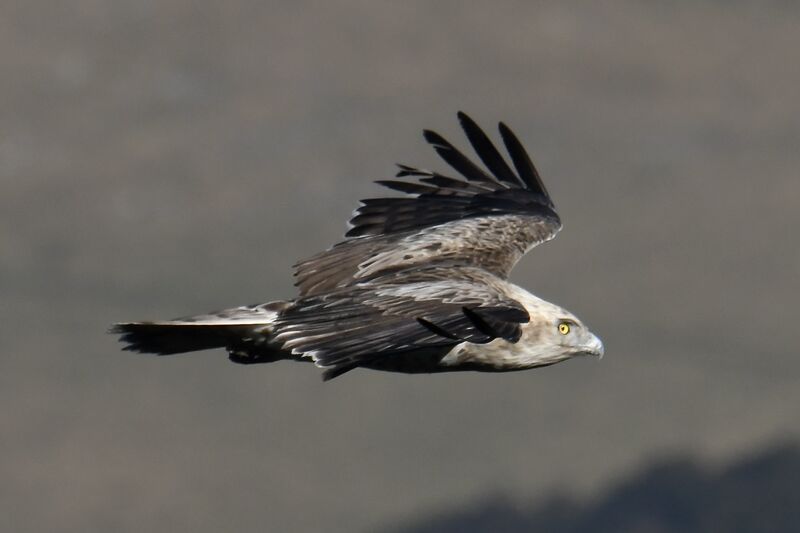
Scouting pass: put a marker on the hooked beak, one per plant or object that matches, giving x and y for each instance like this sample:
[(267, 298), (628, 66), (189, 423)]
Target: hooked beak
[(595, 346)]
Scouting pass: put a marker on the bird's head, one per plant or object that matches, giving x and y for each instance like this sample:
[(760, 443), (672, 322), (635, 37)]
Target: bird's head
[(554, 334), (573, 337)]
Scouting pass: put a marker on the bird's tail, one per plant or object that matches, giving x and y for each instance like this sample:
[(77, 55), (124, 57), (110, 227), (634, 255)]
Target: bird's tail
[(244, 331)]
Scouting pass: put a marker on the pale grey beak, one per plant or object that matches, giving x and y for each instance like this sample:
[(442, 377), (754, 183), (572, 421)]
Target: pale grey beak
[(595, 346)]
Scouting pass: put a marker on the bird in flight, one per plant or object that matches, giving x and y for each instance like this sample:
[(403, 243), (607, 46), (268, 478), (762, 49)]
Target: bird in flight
[(418, 285)]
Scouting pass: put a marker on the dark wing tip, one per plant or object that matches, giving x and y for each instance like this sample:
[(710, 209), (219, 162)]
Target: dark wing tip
[(488, 153), (435, 139), (493, 188), (523, 163), (407, 170), (407, 187)]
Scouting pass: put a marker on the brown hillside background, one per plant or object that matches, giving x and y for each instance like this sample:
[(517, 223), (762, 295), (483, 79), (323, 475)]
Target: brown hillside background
[(160, 158)]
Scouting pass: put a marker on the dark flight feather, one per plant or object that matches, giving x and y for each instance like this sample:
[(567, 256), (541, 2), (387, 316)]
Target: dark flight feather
[(407, 187), (445, 182), (522, 162), (487, 152), (439, 199), (456, 159)]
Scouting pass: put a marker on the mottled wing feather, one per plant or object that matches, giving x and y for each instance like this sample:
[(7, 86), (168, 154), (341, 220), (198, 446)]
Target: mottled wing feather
[(399, 313), (484, 219), (338, 266)]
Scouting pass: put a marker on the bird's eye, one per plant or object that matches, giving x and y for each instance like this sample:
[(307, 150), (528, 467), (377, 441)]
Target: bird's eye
[(563, 328)]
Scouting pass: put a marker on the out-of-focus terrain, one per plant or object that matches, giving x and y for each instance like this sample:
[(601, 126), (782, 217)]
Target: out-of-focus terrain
[(756, 494)]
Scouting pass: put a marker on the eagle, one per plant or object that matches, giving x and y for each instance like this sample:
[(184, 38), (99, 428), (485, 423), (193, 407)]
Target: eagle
[(418, 285)]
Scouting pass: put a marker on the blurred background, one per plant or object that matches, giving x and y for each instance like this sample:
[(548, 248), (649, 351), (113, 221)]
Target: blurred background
[(162, 158)]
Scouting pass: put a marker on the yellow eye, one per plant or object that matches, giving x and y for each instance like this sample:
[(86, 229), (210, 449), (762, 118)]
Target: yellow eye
[(563, 328)]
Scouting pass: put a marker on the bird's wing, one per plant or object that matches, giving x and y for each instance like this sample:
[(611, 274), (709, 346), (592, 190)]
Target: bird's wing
[(485, 218), (399, 313)]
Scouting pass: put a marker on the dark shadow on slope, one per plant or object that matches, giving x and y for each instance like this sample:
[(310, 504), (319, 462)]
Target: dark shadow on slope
[(758, 494)]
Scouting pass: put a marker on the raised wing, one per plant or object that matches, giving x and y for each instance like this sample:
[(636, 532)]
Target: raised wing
[(485, 218), (420, 312), (438, 199)]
